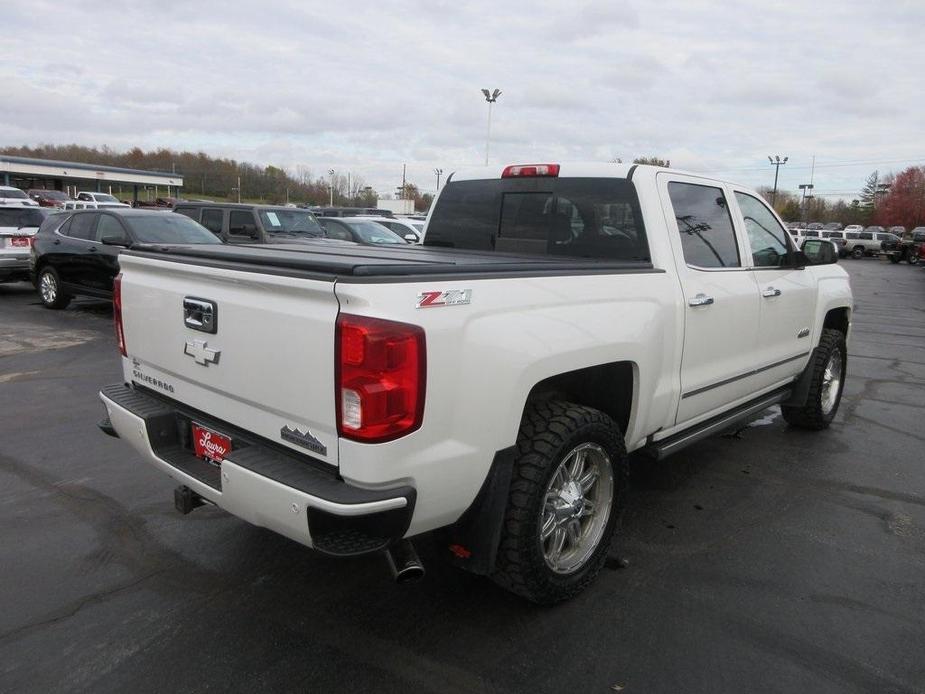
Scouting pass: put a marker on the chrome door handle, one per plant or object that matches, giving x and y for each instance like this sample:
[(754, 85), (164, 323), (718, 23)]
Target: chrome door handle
[(769, 292), (700, 300)]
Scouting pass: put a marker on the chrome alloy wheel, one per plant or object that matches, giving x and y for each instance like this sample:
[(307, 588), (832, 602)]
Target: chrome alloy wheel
[(576, 508), (831, 381), (48, 288)]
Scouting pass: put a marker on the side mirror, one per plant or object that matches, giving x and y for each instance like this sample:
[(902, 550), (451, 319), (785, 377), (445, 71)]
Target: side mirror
[(410, 238), (819, 252), (114, 241)]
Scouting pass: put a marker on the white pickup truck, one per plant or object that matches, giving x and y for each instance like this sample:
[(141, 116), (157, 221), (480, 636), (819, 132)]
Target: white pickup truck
[(488, 384)]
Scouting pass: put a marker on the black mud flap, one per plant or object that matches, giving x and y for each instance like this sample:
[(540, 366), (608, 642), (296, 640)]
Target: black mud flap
[(800, 389), (472, 542)]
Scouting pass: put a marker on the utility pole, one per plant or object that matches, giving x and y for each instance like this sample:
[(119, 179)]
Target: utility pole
[(438, 173), (238, 189), (349, 192), (804, 187), (491, 98), (776, 162), (331, 174)]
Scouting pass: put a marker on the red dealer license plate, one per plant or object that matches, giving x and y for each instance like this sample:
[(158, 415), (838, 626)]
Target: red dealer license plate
[(20, 241), (210, 445)]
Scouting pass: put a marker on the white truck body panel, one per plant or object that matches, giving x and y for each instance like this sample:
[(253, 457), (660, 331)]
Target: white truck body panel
[(277, 341)]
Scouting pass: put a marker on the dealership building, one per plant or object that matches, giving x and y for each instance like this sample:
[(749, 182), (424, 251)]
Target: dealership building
[(71, 176)]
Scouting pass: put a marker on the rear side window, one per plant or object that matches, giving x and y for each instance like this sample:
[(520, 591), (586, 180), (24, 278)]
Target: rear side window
[(83, 226), (574, 217), (707, 237), (866, 236), (212, 220)]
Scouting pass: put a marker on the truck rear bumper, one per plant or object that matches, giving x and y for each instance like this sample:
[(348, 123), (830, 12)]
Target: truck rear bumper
[(260, 484)]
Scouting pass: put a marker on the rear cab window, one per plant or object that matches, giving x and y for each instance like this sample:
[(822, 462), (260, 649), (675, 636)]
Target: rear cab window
[(571, 217)]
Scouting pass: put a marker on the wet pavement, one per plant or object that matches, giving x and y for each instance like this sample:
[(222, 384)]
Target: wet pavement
[(769, 561)]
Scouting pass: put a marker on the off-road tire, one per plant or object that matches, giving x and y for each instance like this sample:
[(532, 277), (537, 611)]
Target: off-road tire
[(811, 415), (60, 299), (549, 430), (894, 259), (857, 252)]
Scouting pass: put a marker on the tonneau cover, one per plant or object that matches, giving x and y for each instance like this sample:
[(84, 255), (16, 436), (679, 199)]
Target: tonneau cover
[(334, 261)]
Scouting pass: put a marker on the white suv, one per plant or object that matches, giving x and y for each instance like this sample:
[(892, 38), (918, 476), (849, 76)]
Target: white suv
[(14, 196)]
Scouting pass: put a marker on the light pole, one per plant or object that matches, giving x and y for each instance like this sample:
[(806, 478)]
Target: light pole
[(776, 162), (438, 173), (491, 98), (331, 174)]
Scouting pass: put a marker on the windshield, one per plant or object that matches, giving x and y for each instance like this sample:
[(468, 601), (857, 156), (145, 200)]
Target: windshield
[(105, 197), (26, 217), (163, 227), (12, 193), (372, 232), (290, 222), (50, 194)]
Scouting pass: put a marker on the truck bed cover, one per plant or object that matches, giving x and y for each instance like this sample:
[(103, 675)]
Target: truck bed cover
[(332, 262)]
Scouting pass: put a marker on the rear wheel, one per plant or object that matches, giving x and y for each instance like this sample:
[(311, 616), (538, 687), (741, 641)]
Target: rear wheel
[(857, 252), (894, 259), (827, 381), (49, 285), (914, 259), (567, 490)]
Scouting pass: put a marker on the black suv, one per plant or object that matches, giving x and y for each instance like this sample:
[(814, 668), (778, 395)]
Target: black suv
[(242, 223), (77, 253)]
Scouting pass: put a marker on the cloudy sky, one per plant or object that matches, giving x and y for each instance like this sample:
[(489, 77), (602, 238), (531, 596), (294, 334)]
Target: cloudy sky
[(366, 86)]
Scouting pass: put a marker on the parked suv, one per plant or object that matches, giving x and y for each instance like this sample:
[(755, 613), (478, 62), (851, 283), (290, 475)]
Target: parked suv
[(242, 223), (18, 225), (866, 242), (14, 196), (77, 253)]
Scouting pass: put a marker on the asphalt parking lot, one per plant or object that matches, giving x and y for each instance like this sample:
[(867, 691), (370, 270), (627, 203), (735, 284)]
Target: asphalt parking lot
[(772, 560)]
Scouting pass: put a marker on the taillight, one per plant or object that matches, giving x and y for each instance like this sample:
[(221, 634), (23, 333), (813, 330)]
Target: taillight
[(381, 374), (117, 313), (530, 171)]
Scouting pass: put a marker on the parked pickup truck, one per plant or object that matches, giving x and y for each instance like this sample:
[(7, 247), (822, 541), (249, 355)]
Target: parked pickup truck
[(488, 384)]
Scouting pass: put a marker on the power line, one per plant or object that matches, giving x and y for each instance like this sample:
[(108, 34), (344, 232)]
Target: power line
[(911, 160)]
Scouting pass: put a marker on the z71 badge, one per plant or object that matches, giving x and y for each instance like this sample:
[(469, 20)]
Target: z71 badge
[(450, 297)]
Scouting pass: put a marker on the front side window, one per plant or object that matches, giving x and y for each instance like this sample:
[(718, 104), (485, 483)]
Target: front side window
[(766, 237), (333, 230), (705, 225)]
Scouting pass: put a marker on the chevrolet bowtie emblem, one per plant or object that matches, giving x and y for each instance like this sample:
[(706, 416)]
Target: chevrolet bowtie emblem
[(201, 352)]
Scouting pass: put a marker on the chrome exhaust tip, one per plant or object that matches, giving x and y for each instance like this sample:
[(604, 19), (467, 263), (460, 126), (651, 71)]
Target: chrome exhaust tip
[(404, 562)]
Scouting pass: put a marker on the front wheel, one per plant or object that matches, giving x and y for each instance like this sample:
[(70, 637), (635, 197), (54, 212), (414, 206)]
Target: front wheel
[(914, 259), (567, 490), (828, 366), (857, 252), (894, 259), (49, 286)]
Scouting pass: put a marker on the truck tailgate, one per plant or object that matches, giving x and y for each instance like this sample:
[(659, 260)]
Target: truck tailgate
[(269, 366)]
